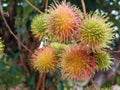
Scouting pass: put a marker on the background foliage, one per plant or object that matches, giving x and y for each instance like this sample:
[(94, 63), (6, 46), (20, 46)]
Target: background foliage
[(15, 66)]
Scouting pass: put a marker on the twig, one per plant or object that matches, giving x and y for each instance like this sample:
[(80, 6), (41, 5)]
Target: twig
[(96, 88), (44, 77), (46, 4), (64, 1), (2, 13), (115, 51), (84, 8), (118, 51), (34, 6), (39, 82), (24, 66)]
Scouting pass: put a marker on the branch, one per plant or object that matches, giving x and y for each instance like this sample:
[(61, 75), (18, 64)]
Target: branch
[(5, 21), (39, 82), (96, 88), (24, 66), (84, 8), (44, 77), (64, 1), (46, 4), (118, 51), (115, 51), (34, 7)]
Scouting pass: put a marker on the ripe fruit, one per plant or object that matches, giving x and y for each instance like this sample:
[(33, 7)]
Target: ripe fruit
[(63, 21), (77, 64), (44, 60)]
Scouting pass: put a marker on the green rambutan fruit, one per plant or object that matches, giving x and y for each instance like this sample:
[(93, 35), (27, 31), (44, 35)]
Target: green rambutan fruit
[(39, 26), (96, 32), (104, 60), (1, 47), (59, 47)]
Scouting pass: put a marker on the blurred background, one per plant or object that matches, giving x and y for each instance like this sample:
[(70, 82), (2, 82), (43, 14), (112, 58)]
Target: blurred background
[(15, 70)]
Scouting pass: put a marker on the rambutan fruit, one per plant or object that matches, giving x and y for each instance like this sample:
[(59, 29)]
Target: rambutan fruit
[(59, 47), (76, 64), (104, 60), (96, 32), (39, 26), (44, 59), (1, 46), (63, 21)]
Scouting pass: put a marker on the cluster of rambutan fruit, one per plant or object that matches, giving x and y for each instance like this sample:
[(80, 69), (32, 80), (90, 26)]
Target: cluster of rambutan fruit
[(77, 44)]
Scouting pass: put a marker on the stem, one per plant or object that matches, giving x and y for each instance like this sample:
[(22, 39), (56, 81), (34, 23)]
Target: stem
[(34, 7), (24, 66), (117, 51), (39, 82), (64, 1), (110, 51), (46, 4), (44, 78), (84, 8), (96, 88), (5, 21)]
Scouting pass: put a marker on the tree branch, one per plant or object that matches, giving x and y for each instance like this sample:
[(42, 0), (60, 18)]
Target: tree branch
[(46, 4), (44, 78), (5, 21), (39, 82), (34, 7), (117, 51), (96, 88), (24, 66), (84, 8), (64, 1)]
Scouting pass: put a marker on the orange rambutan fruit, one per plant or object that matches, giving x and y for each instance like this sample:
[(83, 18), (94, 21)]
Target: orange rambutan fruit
[(77, 64), (63, 21), (44, 59)]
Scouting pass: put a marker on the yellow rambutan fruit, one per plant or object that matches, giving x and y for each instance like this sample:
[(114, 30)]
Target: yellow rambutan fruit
[(96, 32), (44, 59), (63, 21), (77, 64), (104, 60), (39, 26), (1, 46)]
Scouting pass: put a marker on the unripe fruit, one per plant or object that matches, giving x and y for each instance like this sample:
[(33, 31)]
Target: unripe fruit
[(39, 26), (1, 46), (104, 60), (96, 32)]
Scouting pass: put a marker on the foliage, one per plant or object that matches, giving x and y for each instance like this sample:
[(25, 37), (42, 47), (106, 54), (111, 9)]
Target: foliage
[(11, 75)]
